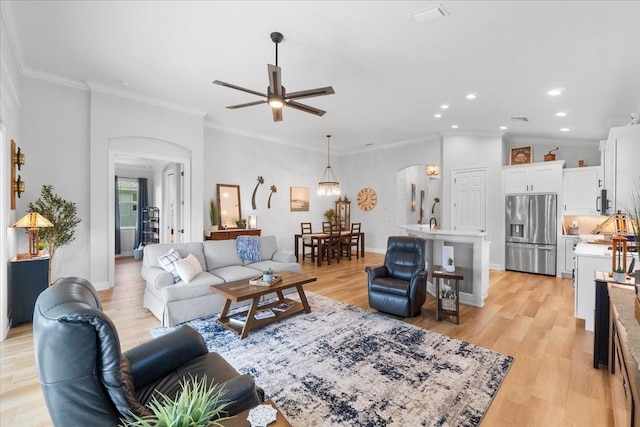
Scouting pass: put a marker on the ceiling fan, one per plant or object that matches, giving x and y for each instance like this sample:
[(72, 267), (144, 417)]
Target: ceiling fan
[(276, 96)]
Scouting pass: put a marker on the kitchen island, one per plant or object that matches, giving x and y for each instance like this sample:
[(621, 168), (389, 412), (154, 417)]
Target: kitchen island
[(471, 253)]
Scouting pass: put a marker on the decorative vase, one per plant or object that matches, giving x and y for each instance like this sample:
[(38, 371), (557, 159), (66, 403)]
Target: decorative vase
[(267, 277), (450, 268)]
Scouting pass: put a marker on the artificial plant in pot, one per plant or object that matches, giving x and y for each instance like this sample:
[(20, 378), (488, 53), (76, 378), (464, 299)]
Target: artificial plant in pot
[(197, 405), (213, 215), (331, 215), (62, 214)]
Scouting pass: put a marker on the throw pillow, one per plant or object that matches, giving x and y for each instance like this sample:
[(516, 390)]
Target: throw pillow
[(168, 262), (188, 268)]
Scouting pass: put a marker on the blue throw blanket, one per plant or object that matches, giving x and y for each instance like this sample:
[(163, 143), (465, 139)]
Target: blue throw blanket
[(248, 248)]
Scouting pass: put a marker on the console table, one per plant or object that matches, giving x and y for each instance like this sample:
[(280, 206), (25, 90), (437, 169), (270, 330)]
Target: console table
[(232, 233), (28, 277)]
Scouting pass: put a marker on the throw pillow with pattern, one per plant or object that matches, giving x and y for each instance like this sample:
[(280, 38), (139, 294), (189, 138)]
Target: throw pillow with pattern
[(168, 262)]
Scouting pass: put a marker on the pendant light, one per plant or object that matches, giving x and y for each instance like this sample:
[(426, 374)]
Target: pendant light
[(328, 185)]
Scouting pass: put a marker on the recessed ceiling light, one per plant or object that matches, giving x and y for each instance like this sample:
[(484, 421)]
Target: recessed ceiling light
[(471, 96), (454, 126), (503, 128), (564, 129), (561, 114), (555, 92), (437, 115), (444, 106)]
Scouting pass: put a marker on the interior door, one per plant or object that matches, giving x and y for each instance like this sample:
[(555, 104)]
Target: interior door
[(469, 195)]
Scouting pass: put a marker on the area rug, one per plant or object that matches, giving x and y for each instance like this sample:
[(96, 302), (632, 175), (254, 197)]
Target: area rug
[(344, 366)]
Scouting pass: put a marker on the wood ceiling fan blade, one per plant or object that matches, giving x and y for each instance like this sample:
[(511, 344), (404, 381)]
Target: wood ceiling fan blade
[(218, 82), (248, 104), (277, 114), (275, 80), (311, 92), (305, 108)]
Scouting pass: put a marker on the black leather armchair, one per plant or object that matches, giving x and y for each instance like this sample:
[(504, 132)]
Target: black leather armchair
[(399, 286), (87, 381)]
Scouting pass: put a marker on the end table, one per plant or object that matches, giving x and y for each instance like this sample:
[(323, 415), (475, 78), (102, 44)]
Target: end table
[(449, 307)]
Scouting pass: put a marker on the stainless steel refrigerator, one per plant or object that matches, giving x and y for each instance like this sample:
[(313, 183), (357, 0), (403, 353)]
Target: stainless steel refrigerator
[(531, 222)]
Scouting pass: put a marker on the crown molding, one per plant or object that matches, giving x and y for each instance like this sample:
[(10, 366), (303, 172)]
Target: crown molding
[(554, 141), (96, 87), (6, 12), (54, 78), (434, 137)]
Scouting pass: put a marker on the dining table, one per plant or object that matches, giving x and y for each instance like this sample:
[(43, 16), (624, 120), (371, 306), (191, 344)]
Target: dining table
[(319, 239)]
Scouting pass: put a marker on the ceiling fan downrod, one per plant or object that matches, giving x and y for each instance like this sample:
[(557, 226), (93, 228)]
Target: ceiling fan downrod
[(276, 37)]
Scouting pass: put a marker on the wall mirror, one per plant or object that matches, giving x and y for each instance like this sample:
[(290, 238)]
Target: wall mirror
[(229, 210)]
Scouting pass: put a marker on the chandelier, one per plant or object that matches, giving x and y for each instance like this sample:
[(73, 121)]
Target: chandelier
[(328, 185)]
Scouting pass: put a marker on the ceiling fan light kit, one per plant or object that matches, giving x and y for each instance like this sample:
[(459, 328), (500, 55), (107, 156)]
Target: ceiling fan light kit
[(276, 96)]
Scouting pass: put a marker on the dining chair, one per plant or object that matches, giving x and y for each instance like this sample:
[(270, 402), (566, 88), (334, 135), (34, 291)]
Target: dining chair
[(308, 242), (351, 240), (326, 226), (331, 245)]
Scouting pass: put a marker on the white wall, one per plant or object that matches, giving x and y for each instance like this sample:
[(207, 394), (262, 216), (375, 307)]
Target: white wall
[(120, 125), (464, 150)]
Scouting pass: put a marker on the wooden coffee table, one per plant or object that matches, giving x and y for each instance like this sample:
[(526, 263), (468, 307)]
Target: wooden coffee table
[(240, 420), (241, 290)]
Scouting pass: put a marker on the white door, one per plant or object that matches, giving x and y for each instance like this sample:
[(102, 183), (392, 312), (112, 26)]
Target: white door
[(469, 194)]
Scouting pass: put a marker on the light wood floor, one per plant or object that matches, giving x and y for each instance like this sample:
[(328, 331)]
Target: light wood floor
[(530, 317)]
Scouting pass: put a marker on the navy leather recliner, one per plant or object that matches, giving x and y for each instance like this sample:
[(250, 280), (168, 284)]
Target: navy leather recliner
[(399, 286), (87, 381)]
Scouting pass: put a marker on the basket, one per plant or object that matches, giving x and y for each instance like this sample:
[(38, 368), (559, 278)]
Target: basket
[(448, 304)]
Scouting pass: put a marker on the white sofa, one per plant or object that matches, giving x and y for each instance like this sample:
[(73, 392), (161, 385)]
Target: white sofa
[(174, 303)]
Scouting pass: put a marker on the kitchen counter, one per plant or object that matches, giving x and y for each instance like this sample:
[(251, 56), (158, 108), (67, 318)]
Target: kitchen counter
[(590, 257), (471, 253)]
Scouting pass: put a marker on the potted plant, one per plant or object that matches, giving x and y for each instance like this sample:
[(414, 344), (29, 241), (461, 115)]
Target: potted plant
[(267, 275), (331, 215), (213, 215), (41, 247), (450, 267), (241, 223), (619, 275), (197, 405), (62, 215)]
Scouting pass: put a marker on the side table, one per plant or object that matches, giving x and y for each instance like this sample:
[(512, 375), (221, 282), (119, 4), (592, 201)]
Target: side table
[(448, 306), (28, 278), (240, 420)]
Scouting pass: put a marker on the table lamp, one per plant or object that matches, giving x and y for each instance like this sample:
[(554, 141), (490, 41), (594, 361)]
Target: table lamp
[(33, 221)]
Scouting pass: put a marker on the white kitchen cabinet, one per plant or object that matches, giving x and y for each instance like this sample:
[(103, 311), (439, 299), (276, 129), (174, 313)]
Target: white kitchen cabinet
[(580, 190), (543, 177), (621, 171)]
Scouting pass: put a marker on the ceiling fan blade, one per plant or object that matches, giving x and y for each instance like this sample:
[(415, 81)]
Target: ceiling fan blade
[(311, 92), (305, 108), (277, 114), (218, 82), (248, 104), (275, 80)]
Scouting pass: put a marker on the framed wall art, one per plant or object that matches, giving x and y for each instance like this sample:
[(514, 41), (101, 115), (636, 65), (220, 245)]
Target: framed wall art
[(520, 155), (299, 199)]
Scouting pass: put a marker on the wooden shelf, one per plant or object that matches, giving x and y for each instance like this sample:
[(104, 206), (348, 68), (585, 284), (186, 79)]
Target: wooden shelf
[(296, 307)]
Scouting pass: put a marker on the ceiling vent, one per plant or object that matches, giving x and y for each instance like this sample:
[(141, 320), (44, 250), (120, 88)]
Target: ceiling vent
[(433, 12), (519, 119)]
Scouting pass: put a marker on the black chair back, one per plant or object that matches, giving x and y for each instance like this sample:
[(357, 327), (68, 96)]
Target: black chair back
[(405, 256)]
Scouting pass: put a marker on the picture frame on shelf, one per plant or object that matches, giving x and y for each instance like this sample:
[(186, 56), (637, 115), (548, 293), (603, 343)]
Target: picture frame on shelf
[(520, 155), (299, 199)]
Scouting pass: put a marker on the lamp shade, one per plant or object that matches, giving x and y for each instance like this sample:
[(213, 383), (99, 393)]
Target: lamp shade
[(33, 220)]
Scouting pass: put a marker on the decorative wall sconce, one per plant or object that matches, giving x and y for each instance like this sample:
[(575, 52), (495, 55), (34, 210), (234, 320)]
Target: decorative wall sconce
[(433, 170), (273, 189), (253, 196), (18, 186), (18, 158)]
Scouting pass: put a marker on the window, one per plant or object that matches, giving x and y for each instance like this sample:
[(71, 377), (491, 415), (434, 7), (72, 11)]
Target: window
[(128, 198)]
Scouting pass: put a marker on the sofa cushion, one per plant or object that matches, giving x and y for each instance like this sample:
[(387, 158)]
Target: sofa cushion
[(153, 251), (188, 268), (268, 246), (220, 253), (168, 262), (198, 287), (275, 266), (235, 272)]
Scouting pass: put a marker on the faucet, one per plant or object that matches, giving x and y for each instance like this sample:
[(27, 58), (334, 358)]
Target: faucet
[(433, 223)]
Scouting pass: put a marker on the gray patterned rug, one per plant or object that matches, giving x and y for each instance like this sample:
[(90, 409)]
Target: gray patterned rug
[(344, 366)]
